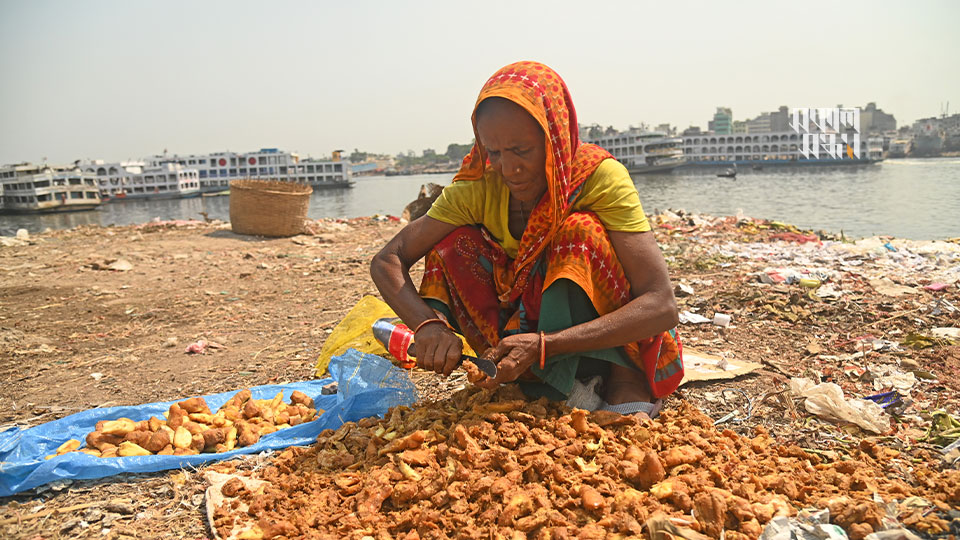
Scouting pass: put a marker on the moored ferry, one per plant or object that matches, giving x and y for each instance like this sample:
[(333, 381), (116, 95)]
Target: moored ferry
[(769, 148), (137, 180), (640, 151), (216, 170), (168, 176), (32, 188)]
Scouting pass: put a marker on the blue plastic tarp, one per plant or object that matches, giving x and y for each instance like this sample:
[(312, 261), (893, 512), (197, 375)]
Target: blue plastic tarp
[(368, 386)]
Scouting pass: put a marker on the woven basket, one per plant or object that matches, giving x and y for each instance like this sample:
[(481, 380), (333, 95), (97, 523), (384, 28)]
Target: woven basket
[(268, 208)]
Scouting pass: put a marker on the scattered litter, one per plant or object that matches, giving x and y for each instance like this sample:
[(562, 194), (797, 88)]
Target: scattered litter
[(808, 525), (887, 287), (721, 319), (97, 376), (886, 399), (950, 333), (700, 366), (683, 289), (936, 286), (826, 401), (201, 345), (688, 317)]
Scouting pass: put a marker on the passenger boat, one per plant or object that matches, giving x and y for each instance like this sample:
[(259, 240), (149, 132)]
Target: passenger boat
[(29, 188), (181, 176), (639, 150), (767, 149), (216, 170)]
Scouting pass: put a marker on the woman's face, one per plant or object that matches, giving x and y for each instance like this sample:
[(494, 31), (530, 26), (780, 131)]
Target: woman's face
[(515, 146)]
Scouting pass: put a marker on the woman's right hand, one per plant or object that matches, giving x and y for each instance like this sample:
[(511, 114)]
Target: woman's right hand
[(438, 349)]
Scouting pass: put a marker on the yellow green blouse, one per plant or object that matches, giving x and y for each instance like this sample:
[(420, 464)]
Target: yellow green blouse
[(609, 192)]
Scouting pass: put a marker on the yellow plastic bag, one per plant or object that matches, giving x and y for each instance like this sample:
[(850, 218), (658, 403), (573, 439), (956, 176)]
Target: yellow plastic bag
[(356, 331)]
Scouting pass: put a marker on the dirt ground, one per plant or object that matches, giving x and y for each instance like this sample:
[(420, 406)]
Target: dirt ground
[(98, 317)]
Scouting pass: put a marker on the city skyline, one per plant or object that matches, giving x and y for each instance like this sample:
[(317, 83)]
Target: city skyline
[(112, 80)]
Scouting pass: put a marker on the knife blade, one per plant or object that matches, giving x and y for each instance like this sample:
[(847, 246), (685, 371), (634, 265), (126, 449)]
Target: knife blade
[(487, 367)]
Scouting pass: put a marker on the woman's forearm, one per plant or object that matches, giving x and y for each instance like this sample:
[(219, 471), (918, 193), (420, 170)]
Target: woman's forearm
[(392, 278)]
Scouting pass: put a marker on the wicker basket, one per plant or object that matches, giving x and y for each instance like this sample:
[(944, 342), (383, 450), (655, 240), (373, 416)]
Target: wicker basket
[(268, 208)]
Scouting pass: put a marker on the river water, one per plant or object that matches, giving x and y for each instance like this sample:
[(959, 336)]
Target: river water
[(907, 198)]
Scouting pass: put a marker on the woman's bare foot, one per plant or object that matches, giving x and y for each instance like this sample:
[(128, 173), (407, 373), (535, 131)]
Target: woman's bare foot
[(625, 385)]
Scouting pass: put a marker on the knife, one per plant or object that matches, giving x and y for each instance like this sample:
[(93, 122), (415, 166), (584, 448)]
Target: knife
[(484, 365)]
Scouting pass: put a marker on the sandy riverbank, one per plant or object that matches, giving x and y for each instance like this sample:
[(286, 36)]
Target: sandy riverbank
[(76, 334)]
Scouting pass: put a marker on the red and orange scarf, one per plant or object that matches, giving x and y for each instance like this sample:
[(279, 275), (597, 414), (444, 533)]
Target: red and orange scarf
[(543, 94)]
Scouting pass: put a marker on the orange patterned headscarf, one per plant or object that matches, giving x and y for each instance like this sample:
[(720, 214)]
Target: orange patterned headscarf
[(543, 94)]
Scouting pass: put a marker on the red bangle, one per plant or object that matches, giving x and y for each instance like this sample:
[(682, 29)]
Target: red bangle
[(431, 321), (543, 350)]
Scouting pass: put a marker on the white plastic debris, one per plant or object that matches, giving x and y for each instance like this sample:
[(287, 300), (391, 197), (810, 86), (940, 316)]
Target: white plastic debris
[(689, 317), (826, 401), (721, 319)]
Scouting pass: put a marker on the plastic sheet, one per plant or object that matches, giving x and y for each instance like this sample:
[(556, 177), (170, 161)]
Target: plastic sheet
[(368, 386), (826, 401)]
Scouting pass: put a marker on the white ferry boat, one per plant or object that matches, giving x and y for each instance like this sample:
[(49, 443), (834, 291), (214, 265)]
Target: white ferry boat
[(216, 170), (43, 188), (137, 180), (640, 151), (773, 148)]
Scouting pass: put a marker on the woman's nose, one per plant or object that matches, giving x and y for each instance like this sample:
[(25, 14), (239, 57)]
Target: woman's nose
[(508, 165)]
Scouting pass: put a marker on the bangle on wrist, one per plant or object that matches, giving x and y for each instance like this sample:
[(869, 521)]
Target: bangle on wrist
[(432, 321), (543, 350)]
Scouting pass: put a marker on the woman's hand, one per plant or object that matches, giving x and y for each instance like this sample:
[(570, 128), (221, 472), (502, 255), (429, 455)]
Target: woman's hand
[(514, 355), (438, 349)]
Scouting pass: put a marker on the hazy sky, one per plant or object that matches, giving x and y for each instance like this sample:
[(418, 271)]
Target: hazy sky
[(126, 79)]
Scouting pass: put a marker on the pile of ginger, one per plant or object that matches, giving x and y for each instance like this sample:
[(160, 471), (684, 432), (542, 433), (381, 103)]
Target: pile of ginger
[(190, 428), (488, 464)]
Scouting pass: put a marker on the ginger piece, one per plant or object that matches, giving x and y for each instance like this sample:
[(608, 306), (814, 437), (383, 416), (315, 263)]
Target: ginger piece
[(251, 410), (68, 446), (474, 375), (120, 426), (182, 438), (679, 455), (247, 434), (410, 442), (197, 442), (301, 398), (232, 487), (231, 438), (201, 418), (140, 438), (166, 451), (194, 405), (155, 423), (176, 416), (158, 441), (711, 512), (128, 448), (212, 437), (90, 452), (185, 452), (591, 499), (237, 400)]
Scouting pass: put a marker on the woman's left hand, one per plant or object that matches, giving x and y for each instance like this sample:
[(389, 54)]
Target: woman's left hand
[(514, 355)]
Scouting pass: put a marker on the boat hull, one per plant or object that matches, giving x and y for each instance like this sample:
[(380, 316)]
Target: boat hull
[(60, 209), (651, 169), (154, 196), (782, 163)]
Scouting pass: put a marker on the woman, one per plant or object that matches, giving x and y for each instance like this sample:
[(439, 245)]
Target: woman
[(539, 253)]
